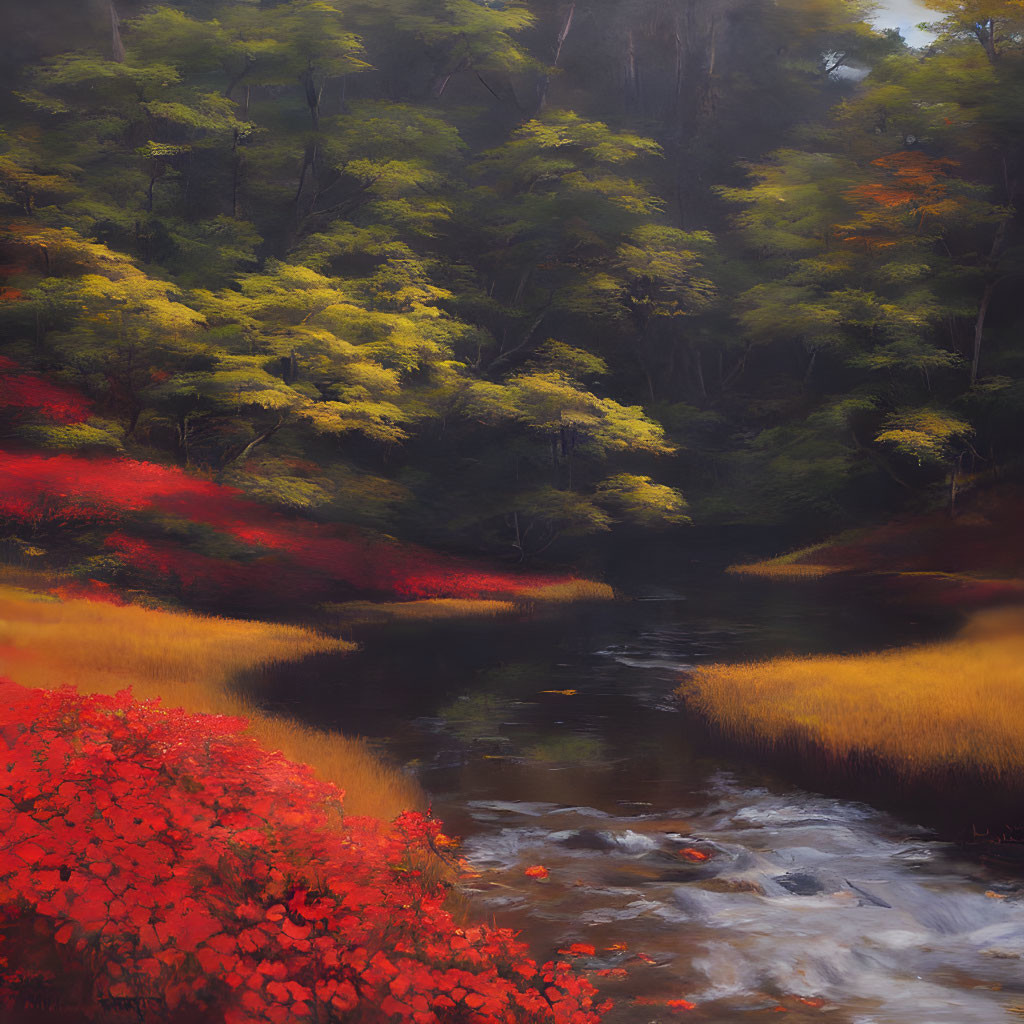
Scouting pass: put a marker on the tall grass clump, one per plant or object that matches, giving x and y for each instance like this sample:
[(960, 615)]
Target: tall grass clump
[(801, 563), (189, 662), (779, 568), (559, 592), (428, 610), (952, 707), (436, 609)]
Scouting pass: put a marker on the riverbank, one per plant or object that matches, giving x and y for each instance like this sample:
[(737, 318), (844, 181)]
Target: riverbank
[(971, 559), (440, 609), (54, 634), (181, 538), (156, 865), (189, 662), (941, 717)]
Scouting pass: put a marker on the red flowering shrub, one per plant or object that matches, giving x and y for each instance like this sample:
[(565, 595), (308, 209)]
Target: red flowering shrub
[(164, 864), (22, 393), (91, 590), (70, 490), (203, 579)]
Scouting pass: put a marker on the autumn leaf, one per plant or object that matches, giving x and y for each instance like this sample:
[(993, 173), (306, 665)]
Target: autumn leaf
[(689, 853), (579, 949)]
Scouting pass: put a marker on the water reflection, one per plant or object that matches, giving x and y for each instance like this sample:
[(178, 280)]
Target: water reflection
[(555, 739)]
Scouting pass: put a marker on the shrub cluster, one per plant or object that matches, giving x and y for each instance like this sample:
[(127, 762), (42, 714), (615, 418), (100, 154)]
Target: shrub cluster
[(62, 492), (163, 865), (27, 394)]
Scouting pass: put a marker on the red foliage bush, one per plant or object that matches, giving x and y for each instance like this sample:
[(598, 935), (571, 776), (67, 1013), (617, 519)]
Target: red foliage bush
[(70, 490), (90, 590), (202, 579), (22, 393), (164, 864)]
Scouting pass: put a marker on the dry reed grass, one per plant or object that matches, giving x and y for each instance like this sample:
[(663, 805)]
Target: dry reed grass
[(950, 707), (436, 608), (189, 661), (798, 564), (570, 590), (777, 569), (429, 610)]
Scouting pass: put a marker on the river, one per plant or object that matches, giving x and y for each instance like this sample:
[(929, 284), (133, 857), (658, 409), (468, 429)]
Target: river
[(703, 874)]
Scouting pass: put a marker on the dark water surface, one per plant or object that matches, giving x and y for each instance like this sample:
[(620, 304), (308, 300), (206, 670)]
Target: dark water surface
[(807, 901)]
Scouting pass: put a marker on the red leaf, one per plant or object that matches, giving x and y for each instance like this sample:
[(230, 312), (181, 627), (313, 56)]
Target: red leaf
[(579, 949), (695, 855)]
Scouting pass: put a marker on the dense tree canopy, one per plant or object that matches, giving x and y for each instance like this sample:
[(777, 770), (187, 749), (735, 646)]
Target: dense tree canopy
[(496, 274)]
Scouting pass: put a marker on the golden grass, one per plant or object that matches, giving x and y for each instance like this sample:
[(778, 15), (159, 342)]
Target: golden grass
[(189, 661), (957, 705), (796, 564), (776, 569), (428, 610), (569, 590), (438, 608), (964, 579)]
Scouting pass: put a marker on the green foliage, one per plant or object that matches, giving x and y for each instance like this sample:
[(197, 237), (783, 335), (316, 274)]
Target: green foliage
[(95, 435), (926, 435), (566, 512), (496, 276), (639, 500)]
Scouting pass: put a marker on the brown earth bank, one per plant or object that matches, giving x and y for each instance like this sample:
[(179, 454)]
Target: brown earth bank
[(971, 559)]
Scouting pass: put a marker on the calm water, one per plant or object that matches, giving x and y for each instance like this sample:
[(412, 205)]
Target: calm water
[(826, 907)]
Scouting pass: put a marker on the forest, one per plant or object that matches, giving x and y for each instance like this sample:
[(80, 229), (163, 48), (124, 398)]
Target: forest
[(500, 276), (554, 463)]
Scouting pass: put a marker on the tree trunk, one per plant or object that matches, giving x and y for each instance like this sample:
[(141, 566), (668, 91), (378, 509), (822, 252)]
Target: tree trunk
[(954, 478), (986, 297), (184, 435), (810, 367), (632, 71), (248, 449), (698, 365), (116, 45), (979, 327), (680, 66), (309, 156), (563, 34), (518, 543), (236, 170), (986, 34)]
